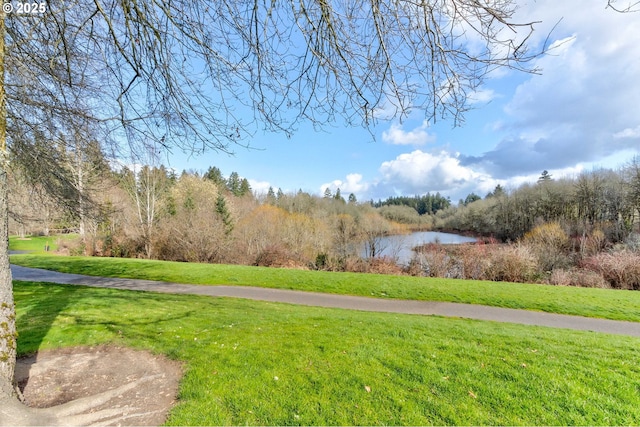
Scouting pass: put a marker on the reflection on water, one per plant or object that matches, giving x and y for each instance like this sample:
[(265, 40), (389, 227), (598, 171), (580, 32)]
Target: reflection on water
[(401, 247)]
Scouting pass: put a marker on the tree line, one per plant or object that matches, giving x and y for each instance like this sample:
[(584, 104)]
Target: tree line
[(152, 212), (427, 204), (604, 199), (133, 207)]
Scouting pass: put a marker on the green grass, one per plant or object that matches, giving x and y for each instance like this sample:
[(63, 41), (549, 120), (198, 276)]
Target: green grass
[(37, 243), (603, 303), (259, 363)]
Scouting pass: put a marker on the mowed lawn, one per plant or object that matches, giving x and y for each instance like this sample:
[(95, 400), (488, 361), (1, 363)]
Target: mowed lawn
[(603, 303), (259, 363)]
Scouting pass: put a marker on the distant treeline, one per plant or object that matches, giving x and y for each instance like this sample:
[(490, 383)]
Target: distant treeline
[(607, 200), (427, 204)]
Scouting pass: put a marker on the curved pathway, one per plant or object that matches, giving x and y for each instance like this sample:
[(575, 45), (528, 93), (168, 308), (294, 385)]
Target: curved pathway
[(447, 309)]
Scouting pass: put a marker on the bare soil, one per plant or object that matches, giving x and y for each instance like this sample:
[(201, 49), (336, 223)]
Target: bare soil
[(52, 378)]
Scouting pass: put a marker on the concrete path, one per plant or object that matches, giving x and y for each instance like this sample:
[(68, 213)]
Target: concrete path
[(447, 309)]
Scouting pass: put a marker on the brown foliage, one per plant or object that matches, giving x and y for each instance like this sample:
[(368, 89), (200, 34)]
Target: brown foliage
[(384, 265), (578, 277), (278, 256), (549, 243), (621, 269), (511, 263)]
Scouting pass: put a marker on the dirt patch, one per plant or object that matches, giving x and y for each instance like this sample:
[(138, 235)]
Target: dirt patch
[(51, 378)]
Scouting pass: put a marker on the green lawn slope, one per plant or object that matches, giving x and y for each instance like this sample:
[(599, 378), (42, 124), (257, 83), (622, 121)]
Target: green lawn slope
[(602, 303)]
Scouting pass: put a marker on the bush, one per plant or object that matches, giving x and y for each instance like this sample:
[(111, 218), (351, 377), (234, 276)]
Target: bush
[(592, 243), (512, 263), (550, 244), (632, 242), (434, 260), (273, 256), (473, 260), (578, 277), (384, 265), (621, 269)]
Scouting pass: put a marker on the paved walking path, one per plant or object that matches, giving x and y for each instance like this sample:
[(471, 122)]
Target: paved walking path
[(447, 309)]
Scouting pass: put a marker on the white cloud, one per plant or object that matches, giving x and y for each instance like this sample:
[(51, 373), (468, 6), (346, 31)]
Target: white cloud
[(583, 107), (420, 172), (481, 96), (259, 187), (628, 133), (417, 136), (352, 184)]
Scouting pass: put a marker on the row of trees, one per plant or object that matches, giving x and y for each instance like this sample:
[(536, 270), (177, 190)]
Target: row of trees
[(426, 204), (153, 213), (601, 199), (604, 199)]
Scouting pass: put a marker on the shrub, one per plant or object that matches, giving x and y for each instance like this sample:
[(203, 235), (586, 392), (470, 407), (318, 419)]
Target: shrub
[(434, 260), (550, 244), (632, 242), (414, 268), (322, 261), (273, 256), (384, 265), (621, 269), (578, 277), (356, 265), (549, 234), (592, 243), (328, 262), (473, 260), (512, 263)]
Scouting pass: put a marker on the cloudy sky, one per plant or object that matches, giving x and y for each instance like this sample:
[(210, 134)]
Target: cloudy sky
[(581, 113)]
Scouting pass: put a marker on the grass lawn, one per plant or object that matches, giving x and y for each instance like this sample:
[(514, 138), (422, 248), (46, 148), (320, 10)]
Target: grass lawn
[(37, 243), (603, 303), (261, 363)]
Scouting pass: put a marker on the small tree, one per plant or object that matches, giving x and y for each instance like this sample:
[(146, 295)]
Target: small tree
[(545, 177), (271, 196), (223, 214), (245, 188), (214, 174)]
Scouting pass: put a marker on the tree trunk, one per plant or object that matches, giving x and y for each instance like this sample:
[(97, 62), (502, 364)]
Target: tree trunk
[(7, 307)]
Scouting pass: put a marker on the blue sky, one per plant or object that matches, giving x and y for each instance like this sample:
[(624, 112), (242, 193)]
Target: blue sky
[(581, 113)]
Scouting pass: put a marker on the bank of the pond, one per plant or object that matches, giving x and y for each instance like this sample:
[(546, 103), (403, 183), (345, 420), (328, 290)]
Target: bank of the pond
[(400, 247)]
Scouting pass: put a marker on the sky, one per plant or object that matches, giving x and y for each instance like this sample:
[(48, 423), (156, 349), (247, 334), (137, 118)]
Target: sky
[(581, 113)]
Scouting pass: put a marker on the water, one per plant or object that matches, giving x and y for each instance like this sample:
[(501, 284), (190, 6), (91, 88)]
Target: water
[(401, 247)]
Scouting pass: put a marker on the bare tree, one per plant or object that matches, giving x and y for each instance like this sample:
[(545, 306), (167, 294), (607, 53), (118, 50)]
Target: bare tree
[(183, 74)]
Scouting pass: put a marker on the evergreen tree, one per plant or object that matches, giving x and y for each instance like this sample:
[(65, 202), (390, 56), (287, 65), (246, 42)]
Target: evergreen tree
[(271, 196), (545, 177), (327, 193), (233, 183), (214, 174), (223, 214), (497, 192), (352, 198), (245, 188), (472, 197)]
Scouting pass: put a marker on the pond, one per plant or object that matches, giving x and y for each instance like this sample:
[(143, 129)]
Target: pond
[(401, 246)]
